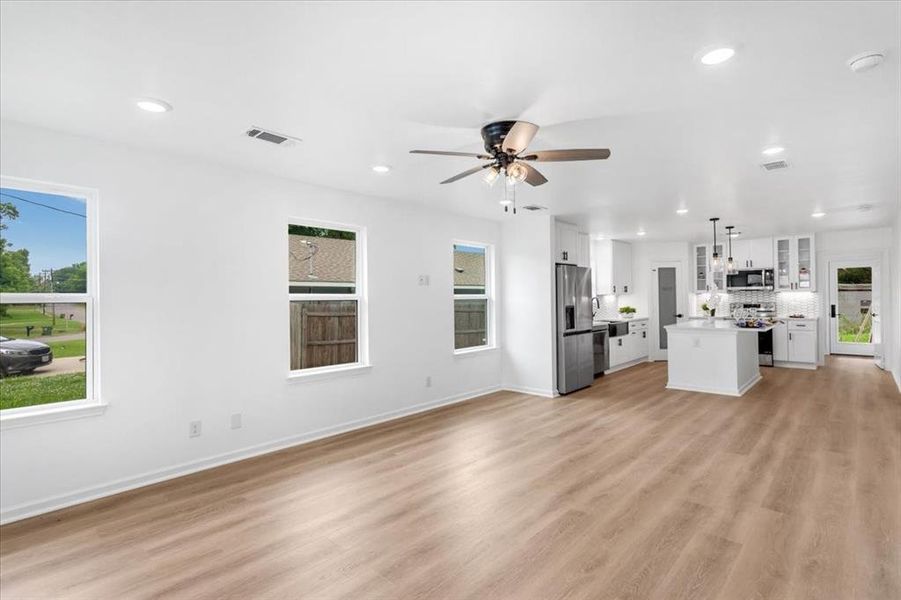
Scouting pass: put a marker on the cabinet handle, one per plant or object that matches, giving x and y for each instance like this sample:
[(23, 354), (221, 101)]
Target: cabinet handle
[(619, 342), (614, 289), (644, 334), (789, 337), (625, 289), (565, 255)]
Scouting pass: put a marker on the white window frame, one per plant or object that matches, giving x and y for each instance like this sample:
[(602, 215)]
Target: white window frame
[(92, 404), (360, 295), (491, 343)]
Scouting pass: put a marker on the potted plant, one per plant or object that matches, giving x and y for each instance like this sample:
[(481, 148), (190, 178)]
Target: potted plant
[(710, 312), (627, 311)]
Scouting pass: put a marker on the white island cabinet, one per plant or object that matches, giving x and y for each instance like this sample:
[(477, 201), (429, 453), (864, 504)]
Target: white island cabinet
[(713, 357)]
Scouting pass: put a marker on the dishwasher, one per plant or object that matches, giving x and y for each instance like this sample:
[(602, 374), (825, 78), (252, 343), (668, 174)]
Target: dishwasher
[(601, 345)]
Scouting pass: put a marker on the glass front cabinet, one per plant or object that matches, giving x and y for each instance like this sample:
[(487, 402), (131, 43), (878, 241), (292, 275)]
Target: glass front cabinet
[(795, 258), (703, 273)]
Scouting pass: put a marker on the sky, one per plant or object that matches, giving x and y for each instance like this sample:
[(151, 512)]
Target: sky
[(470, 249), (54, 239)]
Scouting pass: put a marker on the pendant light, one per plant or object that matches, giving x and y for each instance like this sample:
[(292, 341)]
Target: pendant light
[(730, 264), (716, 263)]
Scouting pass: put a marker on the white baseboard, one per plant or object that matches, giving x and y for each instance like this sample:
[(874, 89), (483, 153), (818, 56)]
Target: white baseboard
[(626, 365), (32, 509), (795, 365), (736, 391), (530, 390)]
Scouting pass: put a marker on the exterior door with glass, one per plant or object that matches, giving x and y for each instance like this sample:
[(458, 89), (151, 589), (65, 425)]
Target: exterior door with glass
[(855, 325)]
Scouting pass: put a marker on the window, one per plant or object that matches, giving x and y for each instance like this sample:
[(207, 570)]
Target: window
[(47, 297), (473, 302), (326, 297)]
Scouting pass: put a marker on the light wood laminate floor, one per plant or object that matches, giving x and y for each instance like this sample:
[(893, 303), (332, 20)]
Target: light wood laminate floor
[(623, 490)]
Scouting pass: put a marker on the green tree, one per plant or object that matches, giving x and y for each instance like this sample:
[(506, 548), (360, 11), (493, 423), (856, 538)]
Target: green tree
[(15, 270), (321, 232), (855, 275), (71, 280)]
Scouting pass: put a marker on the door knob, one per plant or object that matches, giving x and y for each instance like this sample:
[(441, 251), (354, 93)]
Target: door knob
[(678, 316)]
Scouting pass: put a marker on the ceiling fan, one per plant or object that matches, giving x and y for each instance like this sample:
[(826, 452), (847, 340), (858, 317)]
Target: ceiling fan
[(505, 147)]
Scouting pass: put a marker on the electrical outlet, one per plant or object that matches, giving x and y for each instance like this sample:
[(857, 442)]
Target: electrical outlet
[(194, 429), (428, 381), (236, 421), (423, 280)]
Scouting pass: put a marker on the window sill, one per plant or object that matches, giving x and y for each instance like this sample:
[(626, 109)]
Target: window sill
[(323, 373), (38, 415), (475, 351)]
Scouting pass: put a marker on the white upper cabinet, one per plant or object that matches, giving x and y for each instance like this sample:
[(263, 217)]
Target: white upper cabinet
[(760, 254), (567, 243), (702, 259), (611, 267), (753, 254), (584, 258), (795, 262)]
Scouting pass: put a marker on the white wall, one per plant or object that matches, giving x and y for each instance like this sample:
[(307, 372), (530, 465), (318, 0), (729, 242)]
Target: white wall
[(850, 244), (527, 310), (893, 332), (643, 255), (194, 319)]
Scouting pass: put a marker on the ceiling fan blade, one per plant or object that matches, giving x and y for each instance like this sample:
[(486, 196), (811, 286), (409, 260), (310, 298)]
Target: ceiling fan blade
[(466, 173), (448, 153), (567, 155), (519, 137), (533, 176)]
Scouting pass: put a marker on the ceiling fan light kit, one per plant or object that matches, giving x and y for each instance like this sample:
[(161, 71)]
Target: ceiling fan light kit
[(505, 145)]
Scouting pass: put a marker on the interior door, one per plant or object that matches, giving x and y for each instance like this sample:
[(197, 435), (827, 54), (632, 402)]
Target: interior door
[(668, 305), (855, 326)]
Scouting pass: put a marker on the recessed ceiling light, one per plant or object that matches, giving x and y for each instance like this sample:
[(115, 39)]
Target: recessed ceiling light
[(773, 150), (865, 61), (717, 56), (681, 211), (153, 105), (818, 214), (381, 168), (642, 233)]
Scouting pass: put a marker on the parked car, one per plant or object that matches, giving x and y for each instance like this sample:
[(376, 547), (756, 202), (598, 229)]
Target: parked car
[(22, 356)]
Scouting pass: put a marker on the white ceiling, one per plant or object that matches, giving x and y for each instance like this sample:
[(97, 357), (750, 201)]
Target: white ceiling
[(362, 83)]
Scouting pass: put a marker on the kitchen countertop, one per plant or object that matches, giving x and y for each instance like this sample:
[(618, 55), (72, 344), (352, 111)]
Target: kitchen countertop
[(716, 326), (597, 321), (699, 318)]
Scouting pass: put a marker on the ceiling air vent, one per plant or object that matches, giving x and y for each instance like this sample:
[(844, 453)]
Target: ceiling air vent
[(775, 165), (534, 207), (280, 139)]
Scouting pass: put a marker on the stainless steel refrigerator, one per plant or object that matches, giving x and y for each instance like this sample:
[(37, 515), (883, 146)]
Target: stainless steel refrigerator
[(575, 351)]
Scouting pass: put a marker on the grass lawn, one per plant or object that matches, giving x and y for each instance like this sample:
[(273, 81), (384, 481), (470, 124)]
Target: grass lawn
[(851, 337), (67, 348), (13, 324), (27, 390)]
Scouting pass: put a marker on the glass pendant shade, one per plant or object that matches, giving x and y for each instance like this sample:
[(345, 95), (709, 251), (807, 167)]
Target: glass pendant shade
[(491, 175), (516, 173)]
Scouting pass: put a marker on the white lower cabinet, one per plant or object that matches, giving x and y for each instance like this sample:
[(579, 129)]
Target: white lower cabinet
[(630, 347), (780, 342), (795, 343)]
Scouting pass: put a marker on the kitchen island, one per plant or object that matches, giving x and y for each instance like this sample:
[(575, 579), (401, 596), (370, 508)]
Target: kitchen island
[(716, 357)]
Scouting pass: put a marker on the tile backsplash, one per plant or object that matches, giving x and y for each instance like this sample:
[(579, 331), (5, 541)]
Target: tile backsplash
[(787, 303), (609, 310)]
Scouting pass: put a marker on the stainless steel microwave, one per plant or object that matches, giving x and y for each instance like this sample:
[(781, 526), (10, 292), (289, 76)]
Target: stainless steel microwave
[(750, 279)]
